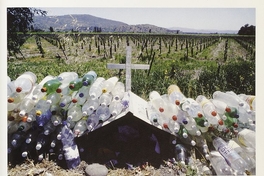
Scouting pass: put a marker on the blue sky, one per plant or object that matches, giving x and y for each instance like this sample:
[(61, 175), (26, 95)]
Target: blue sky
[(196, 18)]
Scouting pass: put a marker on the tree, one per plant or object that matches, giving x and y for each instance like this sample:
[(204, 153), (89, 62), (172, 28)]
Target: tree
[(247, 30), (19, 20), (51, 29)]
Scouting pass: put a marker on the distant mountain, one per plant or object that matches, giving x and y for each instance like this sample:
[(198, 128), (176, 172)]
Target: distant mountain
[(89, 22), (212, 31)]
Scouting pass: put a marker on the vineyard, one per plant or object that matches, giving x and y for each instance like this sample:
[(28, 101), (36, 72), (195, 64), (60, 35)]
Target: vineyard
[(198, 64)]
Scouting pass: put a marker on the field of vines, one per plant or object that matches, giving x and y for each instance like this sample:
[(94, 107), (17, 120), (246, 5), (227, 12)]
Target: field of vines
[(198, 64)]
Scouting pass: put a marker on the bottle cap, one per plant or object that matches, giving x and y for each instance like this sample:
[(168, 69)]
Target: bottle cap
[(84, 113), (60, 156), (62, 104), (40, 157), (22, 113), (104, 90), (52, 144), (10, 100), (59, 136), (174, 117), (38, 146), (38, 112), (56, 123), (18, 89), (184, 135), (74, 100), (114, 113), (28, 140), (49, 101), (198, 133), (43, 89), (213, 113), (71, 86), (14, 142), (193, 143), (46, 132), (24, 154), (81, 95), (69, 118)]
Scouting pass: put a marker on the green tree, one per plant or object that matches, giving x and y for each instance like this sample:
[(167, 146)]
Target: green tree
[(247, 30), (19, 20)]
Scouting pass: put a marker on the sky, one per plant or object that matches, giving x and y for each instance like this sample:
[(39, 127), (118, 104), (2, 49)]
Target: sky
[(194, 18)]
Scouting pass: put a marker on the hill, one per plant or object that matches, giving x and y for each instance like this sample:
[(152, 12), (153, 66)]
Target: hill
[(88, 23)]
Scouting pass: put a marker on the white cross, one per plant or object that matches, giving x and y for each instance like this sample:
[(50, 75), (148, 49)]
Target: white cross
[(128, 66)]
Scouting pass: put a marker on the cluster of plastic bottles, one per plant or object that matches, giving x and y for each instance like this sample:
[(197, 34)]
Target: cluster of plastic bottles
[(47, 116), (222, 128)]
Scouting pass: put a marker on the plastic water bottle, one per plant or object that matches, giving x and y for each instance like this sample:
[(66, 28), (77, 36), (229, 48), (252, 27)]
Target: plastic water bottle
[(220, 106), (90, 106), (26, 106), (109, 84), (10, 86), (71, 152), (115, 107), (103, 113), (67, 77), (219, 164), (42, 141), (247, 138), (24, 126), (209, 110), (192, 107), (251, 163), (18, 138), (230, 155), (51, 86), (180, 153), (89, 78), (49, 128), (56, 119), (105, 99), (250, 99), (25, 82), (79, 128), (118, 91), (231, 100), (92, 122), (96, 88), (191, 127), (65, 101), (53, 98), (84, 92), (32, 135), (76, 84), (74, 113), (153, 115), (14, 100), (157, 102), (175, 94), (77, 99)]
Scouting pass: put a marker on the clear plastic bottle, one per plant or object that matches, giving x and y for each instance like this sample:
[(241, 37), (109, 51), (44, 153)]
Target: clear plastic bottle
[(26, 106), (118, 91), (92, 122), (220, 106), (231, 156), (90, 106), (14, 100), (175, 94), (74, 113), (67, 77), (89, 78), (251, 163), (157, 102), (24, 126), (53, 98), (65, 101), (105, 99), (27, 149), (56, 119), (103, 113), (10, 86), (192, 127), (229, 99), (250, 99), (18, 138), (109, 84), (219, 164), (79, 128), (247, 138), (192, 107), (42, 141), (115, 107), (25, 82), (49, 128), (180, 153), (153, 115), (209, 110), (76, 99), (96, 88)]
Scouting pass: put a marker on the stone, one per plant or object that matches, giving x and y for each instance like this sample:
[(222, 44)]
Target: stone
[(96, 169)]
